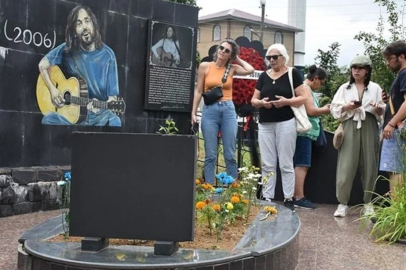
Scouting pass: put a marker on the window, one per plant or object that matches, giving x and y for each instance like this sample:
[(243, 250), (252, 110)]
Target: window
[(247, 32), (198, 35), (278, 37), (216, 32)]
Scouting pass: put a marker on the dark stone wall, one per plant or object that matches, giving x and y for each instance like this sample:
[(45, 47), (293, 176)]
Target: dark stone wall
[(29, 29)]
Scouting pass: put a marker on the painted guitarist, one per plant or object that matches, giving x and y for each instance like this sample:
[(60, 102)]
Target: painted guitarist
[(166, 51), (83, 55)]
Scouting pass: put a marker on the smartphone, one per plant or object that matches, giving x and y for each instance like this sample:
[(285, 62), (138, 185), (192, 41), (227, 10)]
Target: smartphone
[(357, 102), (195, 128)]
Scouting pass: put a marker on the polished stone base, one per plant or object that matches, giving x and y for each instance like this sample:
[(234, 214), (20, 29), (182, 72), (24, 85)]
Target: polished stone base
[(269, 244)]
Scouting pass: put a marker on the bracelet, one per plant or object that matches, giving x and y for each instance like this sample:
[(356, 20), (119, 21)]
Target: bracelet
[(391, 125)]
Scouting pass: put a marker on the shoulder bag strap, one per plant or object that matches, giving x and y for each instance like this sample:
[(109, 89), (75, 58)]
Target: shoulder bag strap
[(392, 109), (291, 80), (223, 81)]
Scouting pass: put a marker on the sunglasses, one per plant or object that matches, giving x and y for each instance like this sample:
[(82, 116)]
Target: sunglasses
[(274, 57), (222, 48), (358, 67)]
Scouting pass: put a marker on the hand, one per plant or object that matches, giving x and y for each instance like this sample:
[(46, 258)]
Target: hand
[(281, 102), (56, 97), (385, 97), (111, 98), (388, 132), (352, 106), (89, 107), (193, 118), (326, 108), (266, 103)]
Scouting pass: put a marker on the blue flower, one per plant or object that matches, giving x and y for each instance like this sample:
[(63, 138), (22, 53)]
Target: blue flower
[(224, 178), (218, 190), (67, 176)]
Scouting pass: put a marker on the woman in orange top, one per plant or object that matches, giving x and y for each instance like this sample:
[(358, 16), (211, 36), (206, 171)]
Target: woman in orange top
[(221, 115)]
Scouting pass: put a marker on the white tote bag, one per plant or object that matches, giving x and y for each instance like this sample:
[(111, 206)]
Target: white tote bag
[(303, 124)]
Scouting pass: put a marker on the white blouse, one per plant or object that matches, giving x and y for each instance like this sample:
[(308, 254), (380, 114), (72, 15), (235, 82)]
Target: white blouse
[(344, 96)]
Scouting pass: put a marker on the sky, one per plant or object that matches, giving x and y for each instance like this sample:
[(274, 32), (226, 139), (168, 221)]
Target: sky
[(327, 21)]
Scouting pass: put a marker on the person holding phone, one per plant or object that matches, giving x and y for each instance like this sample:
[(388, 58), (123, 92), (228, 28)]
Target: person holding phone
[(358, 105)]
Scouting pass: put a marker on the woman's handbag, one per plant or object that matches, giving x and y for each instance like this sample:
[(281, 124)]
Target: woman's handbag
[(212, 95), (338, 137), (320, 144), (303, 124)]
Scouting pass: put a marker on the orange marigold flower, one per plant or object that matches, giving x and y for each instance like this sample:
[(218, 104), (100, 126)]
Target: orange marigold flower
[(198, 182), (200, 205), (245, 201), (209, 186), (235, 199), (205, 186), (216, 207)]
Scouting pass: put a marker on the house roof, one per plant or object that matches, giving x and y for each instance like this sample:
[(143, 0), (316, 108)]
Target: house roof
[(238, 15)]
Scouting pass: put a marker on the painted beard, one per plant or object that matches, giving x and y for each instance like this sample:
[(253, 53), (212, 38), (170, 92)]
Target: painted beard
[(86, 38)]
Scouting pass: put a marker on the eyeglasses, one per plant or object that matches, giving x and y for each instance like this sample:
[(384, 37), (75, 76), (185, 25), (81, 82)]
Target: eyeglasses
[(274, 57), (390, 58), (222, 48)]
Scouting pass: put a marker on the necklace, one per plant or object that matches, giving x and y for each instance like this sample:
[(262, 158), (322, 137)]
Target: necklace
[(273, 80)]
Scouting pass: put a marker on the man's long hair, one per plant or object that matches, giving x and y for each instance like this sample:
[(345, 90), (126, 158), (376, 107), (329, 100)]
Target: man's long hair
[(72, 41), (165, 35)]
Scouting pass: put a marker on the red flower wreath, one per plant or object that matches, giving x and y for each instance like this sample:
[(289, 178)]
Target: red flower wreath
[(244, 89)]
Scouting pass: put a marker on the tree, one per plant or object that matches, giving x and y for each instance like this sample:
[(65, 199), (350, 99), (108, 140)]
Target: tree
[(375, 42)]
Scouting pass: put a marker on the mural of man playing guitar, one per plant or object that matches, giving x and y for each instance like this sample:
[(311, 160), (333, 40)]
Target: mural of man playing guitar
[(166, 51), (82, 55)]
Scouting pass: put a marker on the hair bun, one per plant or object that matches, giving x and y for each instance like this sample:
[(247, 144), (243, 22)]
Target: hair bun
[(312, 69)]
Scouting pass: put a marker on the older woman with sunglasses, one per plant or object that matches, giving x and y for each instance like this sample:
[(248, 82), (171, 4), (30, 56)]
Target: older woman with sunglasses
[(277, 125), (358, 105), (221, 115)]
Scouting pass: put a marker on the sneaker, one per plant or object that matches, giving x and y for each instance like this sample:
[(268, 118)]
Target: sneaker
[(266, 199), (368, 210), (289, 204), (341, 211), (304, 203)]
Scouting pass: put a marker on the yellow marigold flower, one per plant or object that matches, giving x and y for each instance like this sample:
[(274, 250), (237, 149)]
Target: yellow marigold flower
[(200, 205), (230, 206), (235, 199), (245, 201), (216, 207), (270, 209), (198, 182), (205, 186)]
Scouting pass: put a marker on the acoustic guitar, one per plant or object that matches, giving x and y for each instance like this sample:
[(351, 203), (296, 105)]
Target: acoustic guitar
[(75, 94), (166, 58)]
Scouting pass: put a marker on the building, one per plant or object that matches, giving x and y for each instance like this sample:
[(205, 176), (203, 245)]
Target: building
[(235, 23)]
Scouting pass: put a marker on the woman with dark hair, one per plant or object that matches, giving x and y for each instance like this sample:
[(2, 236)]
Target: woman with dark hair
[(358, 105), (277, 124), (304, 142), (221, 115), (166, 50)]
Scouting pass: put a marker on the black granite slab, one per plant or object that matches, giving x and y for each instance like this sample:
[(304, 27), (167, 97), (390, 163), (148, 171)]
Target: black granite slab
[(252, 252), (45, 230)]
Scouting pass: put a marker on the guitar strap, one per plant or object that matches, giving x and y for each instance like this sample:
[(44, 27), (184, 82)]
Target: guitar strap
[(177, 48)]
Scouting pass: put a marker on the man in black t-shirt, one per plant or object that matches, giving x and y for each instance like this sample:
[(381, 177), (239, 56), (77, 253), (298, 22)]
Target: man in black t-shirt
[(392, 156)]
